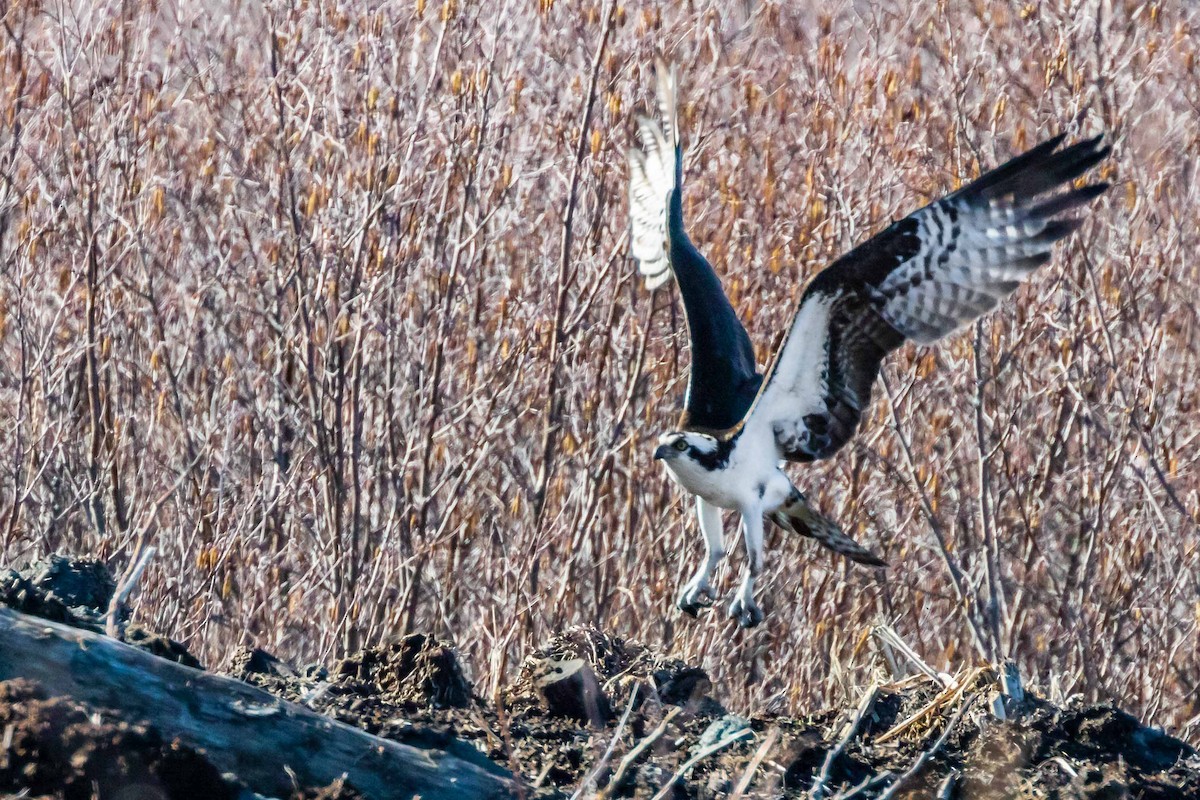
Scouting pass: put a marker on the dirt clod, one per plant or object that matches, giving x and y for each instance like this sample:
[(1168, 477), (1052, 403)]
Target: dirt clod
[(59, 589), (416, 669), (77, 592), (60, 748), (254, 661)]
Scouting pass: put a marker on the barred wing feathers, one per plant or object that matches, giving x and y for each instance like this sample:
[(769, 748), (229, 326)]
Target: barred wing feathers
[(922, 278), (652, 178)]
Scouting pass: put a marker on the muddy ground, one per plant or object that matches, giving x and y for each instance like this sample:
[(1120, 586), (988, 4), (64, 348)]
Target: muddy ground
[(591, 711)]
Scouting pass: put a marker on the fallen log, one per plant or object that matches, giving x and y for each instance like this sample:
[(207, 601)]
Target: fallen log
[(269, 744)]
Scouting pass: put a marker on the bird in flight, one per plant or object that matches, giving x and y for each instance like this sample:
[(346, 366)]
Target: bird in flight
[(921, 278)]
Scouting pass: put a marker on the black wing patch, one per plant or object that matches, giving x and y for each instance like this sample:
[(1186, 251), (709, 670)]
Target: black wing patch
[(724, 380)]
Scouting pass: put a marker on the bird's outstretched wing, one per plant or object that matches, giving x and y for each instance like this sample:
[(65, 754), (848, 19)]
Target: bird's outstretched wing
[(724, 380), (922, 278)]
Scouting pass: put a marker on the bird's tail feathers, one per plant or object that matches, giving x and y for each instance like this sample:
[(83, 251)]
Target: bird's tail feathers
[(799, 517)]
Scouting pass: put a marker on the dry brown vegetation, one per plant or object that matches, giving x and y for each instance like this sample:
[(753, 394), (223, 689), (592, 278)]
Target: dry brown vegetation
[(329, 302)]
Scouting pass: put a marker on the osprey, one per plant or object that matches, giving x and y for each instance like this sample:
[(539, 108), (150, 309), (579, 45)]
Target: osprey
[(922, 278)]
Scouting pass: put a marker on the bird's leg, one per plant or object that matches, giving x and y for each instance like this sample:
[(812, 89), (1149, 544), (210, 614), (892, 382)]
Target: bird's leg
[(743, 608), (698, 592)]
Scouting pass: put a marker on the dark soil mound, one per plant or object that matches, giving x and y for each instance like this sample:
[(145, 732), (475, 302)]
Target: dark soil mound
[(416, 669), (614, 717), (77, 592), (586, 694), (74, 591), (58, 748), (1088, 752)]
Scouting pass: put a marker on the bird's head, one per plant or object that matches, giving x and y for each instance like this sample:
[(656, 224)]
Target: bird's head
[(689, 455)]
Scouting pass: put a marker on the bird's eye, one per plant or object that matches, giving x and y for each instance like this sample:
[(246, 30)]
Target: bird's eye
[(681, 445)]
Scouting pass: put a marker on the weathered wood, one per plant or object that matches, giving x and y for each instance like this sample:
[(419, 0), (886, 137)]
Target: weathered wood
[(243, 730)]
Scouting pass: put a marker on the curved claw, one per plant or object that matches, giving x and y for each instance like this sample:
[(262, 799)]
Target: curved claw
[(748, 615), (695, 597)]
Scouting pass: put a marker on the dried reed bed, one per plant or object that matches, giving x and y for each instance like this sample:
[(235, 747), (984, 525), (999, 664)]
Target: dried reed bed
[(289, 293)]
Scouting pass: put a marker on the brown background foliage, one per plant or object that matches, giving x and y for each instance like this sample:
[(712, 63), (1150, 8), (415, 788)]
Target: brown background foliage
[(286, 291)]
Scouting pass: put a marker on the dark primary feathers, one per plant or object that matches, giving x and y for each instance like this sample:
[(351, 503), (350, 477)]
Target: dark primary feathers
[(922, 278), (724, 380)]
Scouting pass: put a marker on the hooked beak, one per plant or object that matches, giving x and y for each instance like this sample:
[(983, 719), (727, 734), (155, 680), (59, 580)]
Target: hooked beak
[(663, 451)]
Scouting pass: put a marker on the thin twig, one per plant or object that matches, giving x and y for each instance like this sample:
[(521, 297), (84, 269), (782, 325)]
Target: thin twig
[(966, 596), (865, 785), (700, 756), (996, 600), (926, 755), (887, 636), (550, 423), (821, 785), (632, 756), (134, 574), (755, 763), (590, 781), (140, 558)]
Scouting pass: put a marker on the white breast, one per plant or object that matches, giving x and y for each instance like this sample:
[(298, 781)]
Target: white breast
[(750, 478)]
